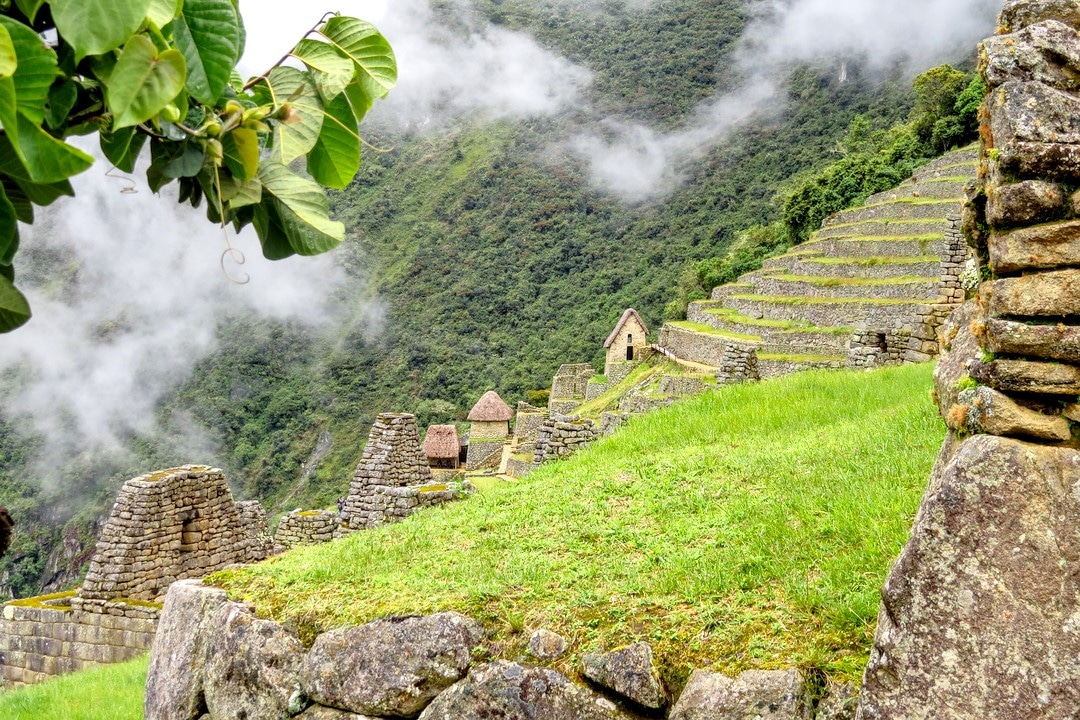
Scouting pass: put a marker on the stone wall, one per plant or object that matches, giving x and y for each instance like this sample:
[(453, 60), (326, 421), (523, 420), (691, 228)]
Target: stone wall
[(563, 407), (875, 347), (570, 381), (595, 389), (393, 479), (59, 634), (519, 468), (681, 386), (306, 527), (979, 614), (611, 421), (616, 372), (735, 362), (166, 526), (954, 257), (256, 526), (561, 436), (527, 424)]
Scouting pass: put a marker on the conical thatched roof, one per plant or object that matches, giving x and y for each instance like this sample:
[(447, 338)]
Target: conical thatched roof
[(630, 313), (441, 442), (491, 408)]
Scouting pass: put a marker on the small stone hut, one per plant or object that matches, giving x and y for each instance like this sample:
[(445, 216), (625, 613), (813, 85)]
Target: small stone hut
[(442, 446), (490, 427), (625, 344)]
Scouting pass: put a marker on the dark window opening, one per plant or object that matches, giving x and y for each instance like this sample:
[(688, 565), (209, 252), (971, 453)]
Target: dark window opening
[(882, 341), (630, 352), (191, 534)]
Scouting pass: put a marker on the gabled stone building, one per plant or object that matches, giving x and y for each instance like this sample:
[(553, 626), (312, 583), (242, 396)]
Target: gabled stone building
[(625, 345)]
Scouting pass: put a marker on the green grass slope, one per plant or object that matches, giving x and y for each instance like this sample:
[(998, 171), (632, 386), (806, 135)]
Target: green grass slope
[(750, 527), (112, 692)]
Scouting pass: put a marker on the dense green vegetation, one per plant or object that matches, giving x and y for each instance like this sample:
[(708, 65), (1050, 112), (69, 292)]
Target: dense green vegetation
[(750, 527), (490, 260), (110, 692)]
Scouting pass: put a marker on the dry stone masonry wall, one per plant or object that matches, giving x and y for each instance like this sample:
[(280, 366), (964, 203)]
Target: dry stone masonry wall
[(167, 526), (979, 614), (561, 436), (393, 479), (306, 527)]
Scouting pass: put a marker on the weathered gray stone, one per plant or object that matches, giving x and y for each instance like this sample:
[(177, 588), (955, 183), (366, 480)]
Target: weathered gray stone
[(1035, 248), (1033, 112), (1024, 203), (1018, 14), (1027, 377), (547, 645), (1055, 293), (1044, 342), (252, 666), (753, 695), (980, 617), (1050, 160), (509, 691), (840, 702), (958, 345), (318, 712), (1047, 52), (174, 681), (995, 413), (629, 672), (390, 667)]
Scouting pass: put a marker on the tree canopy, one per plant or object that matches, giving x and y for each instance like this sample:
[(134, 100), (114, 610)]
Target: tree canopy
[(163, 73)]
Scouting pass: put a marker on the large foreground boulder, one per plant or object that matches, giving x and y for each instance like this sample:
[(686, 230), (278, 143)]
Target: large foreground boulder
[(630, 672), (390, 668), (509, 691), (980, 616), (753, 695)]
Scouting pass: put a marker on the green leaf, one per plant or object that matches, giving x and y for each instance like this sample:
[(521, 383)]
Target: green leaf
[(9, 60), (271, 230), (36, 71), (162, 12), (24, 208), (334, 160), (372, 54), (331, 69), (241, 194), (297, 208), (94, 27), (208, 34), (14, 310), (241, 148), (286, 84), (62, 98), (9, 229), (360, 100), (143, 82), (188, 163), (29, 7), (41, 194), (122, 147), (49, 160)]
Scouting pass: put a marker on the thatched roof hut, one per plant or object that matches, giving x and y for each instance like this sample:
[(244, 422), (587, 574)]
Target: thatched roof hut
[(442, 443), (491, 408)]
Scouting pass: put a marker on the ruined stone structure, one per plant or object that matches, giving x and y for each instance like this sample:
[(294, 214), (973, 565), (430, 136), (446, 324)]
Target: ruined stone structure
[(393, 479), (256, 526), (561, 436), (306, 527), (167, 526), (624, 346), (489, 431), (979, 616)]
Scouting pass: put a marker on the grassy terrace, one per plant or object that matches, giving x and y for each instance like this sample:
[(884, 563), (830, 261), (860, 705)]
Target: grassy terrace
[(833, 281), (110, 692), (710, 330), (870, 261), (790, 300), (781, 325), (801, 358), (750, 527)]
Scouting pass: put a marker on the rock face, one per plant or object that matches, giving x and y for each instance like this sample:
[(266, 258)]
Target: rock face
[(547, 645), (390, 668), (981, 614), (629, 672), (174, 682), (252, 667), (753, 695), (509, 691)]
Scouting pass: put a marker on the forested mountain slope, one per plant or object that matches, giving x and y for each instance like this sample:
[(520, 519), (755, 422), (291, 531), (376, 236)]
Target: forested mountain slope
[(480, 256)]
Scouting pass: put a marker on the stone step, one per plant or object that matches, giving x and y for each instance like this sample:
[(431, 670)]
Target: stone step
[(882, 227), (775, 333), (964, 160), (827, 312), (947, 187), (880, 246), (722, 291), (928, 266), (903, 288), (903, 209)]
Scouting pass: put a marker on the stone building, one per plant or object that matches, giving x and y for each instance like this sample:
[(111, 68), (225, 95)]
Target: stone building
[(167, 526), (442, 446), (625, 345), (393, 478), (490, 428)]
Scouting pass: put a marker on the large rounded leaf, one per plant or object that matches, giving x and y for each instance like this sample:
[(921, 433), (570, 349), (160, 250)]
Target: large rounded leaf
[(162, 12), (9, 60), (208, 33), (36, 69), (143, 82), (93, 27), (334, 160), (363, 43), (293, 139), (330, 67), (14, 310), (296, 208)]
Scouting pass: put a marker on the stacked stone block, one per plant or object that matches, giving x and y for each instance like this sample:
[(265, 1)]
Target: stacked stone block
[(570, 381), (978, 616), (681, 386), (256, 525), (393, 479), (954, 257), (875, 347), (306, 527), (562, 436), (168, 526)]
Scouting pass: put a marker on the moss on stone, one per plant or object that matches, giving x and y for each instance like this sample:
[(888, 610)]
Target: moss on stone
[(43, 601)]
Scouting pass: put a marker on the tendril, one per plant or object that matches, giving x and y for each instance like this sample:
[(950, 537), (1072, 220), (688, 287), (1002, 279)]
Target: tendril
[(129, 188), (237, 256)]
